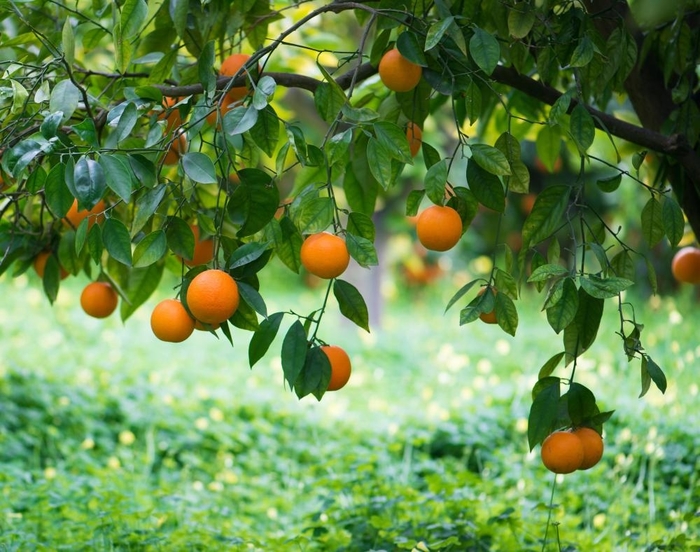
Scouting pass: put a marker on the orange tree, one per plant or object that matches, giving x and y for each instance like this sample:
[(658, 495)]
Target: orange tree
[(137, 112)]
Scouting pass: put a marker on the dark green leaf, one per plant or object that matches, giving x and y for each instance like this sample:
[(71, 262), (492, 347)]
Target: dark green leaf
[(486, 187), (115, 237), (580, 403), (436, 181), (141, 284), (652, 222), (199, 168), (266, 131), (551, 365), (294, 348), (563, 312), (315, 374), (263, 337), (362, 250), (674, 224), (484, 50), (543, 411), (582, 127), (490, 159), (656, 373), (506, 313), (150, 249), (352, 304), (546, 214)]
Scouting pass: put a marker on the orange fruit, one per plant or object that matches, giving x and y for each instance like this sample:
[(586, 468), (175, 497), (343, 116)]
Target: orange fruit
[(562, 452), (203, 249), (170, 114), (212, 296), (230, 67), (171, 322), (414, 135), (397, 73), (686, 265), (340, 366), (99, 299), (205, 327), (96, 214), (177, 149), (592, 446), (488, 317), (40, 264), (325, 255), (439, 228)]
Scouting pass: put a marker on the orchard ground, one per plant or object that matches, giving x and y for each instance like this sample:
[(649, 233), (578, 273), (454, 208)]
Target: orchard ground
[(113, 440)]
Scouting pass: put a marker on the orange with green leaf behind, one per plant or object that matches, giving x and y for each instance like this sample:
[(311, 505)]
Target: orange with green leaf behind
[(340, 366), (488, 317), (439, 228), (176, 149), (325, 255), (414, 135), (171, 322), (99, 299), (95, 215), (562, 452), (230, 67), (685, 265), (170, 114), (212, 296), (397, 73), (203, 248), (40, 265)]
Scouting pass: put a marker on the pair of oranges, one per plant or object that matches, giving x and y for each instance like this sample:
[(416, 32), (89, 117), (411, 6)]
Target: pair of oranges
[(567, 451)]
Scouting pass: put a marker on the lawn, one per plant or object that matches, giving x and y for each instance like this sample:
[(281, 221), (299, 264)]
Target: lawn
[(112, 440)]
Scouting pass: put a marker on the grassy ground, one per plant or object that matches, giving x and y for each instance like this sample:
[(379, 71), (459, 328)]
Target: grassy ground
[(111, 440)]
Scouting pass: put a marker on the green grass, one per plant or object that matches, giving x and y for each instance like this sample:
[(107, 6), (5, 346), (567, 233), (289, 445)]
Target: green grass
[(112, 440)]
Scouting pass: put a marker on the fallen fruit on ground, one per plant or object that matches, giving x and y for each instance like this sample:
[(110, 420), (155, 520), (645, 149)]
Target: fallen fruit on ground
[(325, 255), (592, 446), (212, 296), (439, 228), (99, 299), (171, 322), (686, 265), (340, 366), (397, 73), (562, 452)]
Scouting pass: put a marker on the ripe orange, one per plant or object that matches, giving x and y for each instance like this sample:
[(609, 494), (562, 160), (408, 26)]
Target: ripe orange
[(414, 135), (40, 265), (230, 67), (592, 446), (170, 114), (203, 249), (212, 296), (488, 317), (397, 73), (686, 265), (562, 452), (96, 214), (325, 255), (177, 149), (340, 366), (439, 228), (171, 322), (99, 299)]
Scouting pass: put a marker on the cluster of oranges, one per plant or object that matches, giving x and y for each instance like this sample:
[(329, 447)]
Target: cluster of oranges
[(567, 451)]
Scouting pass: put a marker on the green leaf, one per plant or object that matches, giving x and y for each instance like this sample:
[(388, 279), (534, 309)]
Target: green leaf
[(146, 205), (253, 298), (393, 138), (294, 348), (361, 193), (506, 313), (199, 168), (246, 254), (413, 201), (94, 241), (490, 159), (379, 160), (486, 187), (673, 222), (178, 13), (144, 170), (610, 183), (548, 145), (288, 244), (141, 284), (68, 42), (315, 374), (118, 174), (362, 250), (88, 182), (563, 312), (65, 98), (652, 222), (205, 68), (266, 130), (521, 18), (460, 293), (314, 214), (581, 403), (551, 365), (351, 303), (133, 15), (484, 50), (436, 181), (254, 202), (604, 288), (117, 241), (329, 99), (410, 47), (180, 238), (546, 214), (338, 146), (58, 197), (622, 265), (547, 272), (87, 132), (263, 337), (122, 49), (646, 378), (436, 32), (583, 54), (582, 332), (582, 127), (162, 70), (239, 120), (150, 249), (543, 411)]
